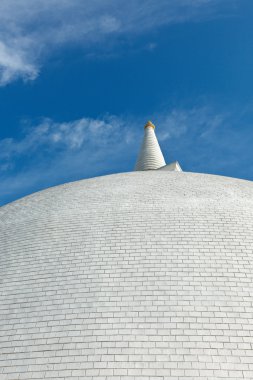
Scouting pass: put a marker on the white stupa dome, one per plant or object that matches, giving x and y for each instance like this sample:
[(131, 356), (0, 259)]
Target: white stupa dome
[(145, 275)]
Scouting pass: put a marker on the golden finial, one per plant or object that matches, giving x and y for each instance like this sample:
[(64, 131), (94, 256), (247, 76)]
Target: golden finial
[(149, 124)]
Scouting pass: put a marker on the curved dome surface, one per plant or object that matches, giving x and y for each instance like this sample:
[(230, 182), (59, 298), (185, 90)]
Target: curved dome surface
[(143, 275)]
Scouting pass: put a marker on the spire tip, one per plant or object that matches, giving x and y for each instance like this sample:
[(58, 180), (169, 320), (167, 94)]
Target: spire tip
[(149, 124)]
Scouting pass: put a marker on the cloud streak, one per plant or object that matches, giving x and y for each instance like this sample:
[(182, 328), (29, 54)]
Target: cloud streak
[(49, 152), (31, 30), (68, 136)]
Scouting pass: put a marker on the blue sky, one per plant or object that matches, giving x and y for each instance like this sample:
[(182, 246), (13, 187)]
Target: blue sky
[(80, 78)]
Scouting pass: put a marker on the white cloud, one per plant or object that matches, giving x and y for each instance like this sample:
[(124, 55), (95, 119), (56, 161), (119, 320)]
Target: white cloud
[(205, 139), (68, 136), (201, 138), (30, 30), (98, 140), (201, 120), (51, 152), (13, 65)]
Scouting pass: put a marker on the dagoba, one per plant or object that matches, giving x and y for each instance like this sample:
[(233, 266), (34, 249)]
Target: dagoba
[(146, 275)]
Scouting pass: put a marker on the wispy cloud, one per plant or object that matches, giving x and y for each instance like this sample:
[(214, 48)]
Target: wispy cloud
[(48, 153), (13, 64), (200, 121), (209, 140), (30, 30), (67, 136)]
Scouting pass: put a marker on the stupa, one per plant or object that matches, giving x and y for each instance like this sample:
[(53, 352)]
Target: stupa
[(146, 275)]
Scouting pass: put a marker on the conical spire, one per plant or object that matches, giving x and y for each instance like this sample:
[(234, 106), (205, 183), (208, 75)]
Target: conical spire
[(150, 156)]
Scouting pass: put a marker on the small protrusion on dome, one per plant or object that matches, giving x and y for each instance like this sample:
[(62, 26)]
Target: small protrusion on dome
[(149, 124), (172, 167)]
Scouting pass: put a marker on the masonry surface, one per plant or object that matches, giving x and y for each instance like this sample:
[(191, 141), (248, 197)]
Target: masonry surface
[(144, 275)]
